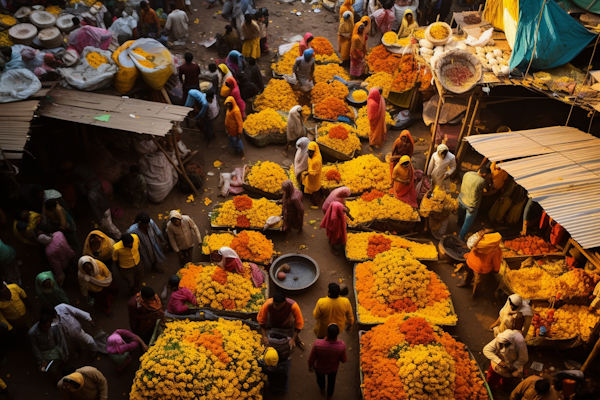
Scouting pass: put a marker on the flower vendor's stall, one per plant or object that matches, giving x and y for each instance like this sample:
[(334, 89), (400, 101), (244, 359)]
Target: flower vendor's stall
[(410, 359), (251, 246), (363, 127), (279, 96), (338, 141), (331, 109), (566, 326), (266, 127), (523, 247), (323, 90), (264, 179), (365, 246), (394, 283), (324, 54), (376, 210), (225, 293), (201, 360), (244, 212)]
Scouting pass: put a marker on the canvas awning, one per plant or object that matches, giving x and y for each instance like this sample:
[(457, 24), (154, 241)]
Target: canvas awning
[(132, 115), (560, 169)]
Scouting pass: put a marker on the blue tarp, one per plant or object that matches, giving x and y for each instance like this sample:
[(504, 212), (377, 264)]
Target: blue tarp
[(592, 6), (560, 37)]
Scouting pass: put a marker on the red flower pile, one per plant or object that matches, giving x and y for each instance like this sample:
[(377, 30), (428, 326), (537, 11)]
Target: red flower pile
[(378, 244), (372, 195), (242, 221), (242, 203), (333, 175), (338, 132)]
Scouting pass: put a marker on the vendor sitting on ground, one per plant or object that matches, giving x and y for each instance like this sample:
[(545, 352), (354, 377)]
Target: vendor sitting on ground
[(281, 312), (180, 298), (508, 355), (230, 261), (485, 257), (516, 314)]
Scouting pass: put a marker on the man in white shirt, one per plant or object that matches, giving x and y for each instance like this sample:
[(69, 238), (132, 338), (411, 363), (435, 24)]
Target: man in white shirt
[(177, 24), (67, 317)]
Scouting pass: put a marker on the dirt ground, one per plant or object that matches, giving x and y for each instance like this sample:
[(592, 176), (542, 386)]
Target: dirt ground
[(20, 372)]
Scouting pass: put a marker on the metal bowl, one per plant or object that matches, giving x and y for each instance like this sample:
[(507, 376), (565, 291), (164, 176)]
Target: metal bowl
[(351, 100), (453, 248), (304, 272)]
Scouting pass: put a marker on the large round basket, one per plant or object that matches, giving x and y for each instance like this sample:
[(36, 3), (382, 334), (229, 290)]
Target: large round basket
[(459, 63), (438, 42)]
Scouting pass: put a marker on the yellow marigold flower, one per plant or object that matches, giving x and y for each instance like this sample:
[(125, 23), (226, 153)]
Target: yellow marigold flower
[(266, 176), (265, 121), (8, 20), (362, 122), (325, 73), (390, 37), (357, 245), (382, 80), (262, 209), (95, 59), (387, 207), (347, 146), (279, 96), (53, 10), (5, 40)]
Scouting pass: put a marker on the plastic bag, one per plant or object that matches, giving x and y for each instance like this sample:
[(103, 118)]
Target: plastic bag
[(18, 84), (163, 66), (85, 77), (482, 40), (89, 36), (123, 27), (128, 72)]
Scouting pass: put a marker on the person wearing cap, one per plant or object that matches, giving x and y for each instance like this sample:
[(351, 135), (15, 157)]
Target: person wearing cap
[(180, 298), (276, 364), (183, 235), (284, 313), (145, 308), (508, 354), (325, 357), (126, 256), (304, 69), (332, 309), (534, 388), (484, 258), (441, 166), (85, 383)]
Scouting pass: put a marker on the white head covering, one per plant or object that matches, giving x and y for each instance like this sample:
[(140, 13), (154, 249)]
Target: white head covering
[(84, 279), (523, 306), (295, 128), (228, 252), (347, 14), (301, 159), (45, 239), (441, 147)]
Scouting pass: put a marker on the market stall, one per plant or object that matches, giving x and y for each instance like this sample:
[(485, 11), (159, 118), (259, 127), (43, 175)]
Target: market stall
[(244, 212), (250, 245), (264, 179)]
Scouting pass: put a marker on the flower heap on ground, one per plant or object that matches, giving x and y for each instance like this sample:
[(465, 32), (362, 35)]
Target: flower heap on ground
[(365, 173), (279, 96), (530, 245), (5, 40), (409, 359), (536, 283), (266, 176), (244, 212), (566, 322), (394, 283), (201, 360), (384, 207), (363, 126), (406, 75), (367, 245), (325, 73), (221, 290), (249, 245), (266, 121), (95, 59), (148, 58), (332, 108), (382, 80), (381, 60), (324, 53), (339, 137), (323, 90)]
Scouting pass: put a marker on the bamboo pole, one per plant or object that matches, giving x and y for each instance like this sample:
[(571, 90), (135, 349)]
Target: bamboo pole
[(591, 357), (461, 145), (464, 124), (435, 125)]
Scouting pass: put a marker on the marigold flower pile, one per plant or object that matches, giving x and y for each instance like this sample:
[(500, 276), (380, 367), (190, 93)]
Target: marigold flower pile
[(53, 10), (381, 60), (424, 77), (322, 46), (536, 283), (325, 73), (407, 75), (95, 59), (7, 20), (332, 108), (279, 96), (408, 359), (439, 32), (266, 121), (365, 173), (530, 245), (387, 207), (323, 90), (419, 34), (390, 37), (566, 322), (249, 245), (148, 58), (257, 214), (324, 53), (367, 245), (440, 202), (333, 175), (363, 126), (201, 360), (360, 96), (285, 66), (5, 40), (339, 137), (266, 176), (396, 283), (221, 290), (382, 80)]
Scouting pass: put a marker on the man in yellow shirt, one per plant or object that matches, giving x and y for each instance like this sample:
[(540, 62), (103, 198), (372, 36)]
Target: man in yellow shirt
[(13, 307), (332, 309), (126, 255)]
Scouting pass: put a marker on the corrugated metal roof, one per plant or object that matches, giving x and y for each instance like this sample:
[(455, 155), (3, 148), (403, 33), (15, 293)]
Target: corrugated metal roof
[(560, 169), (14, 126)]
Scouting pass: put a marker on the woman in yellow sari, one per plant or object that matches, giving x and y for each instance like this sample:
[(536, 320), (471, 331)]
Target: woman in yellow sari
[(347, 6), (408, 24), (99, 246), (345, 35), (251, 32), (311, 179), (366, 21)]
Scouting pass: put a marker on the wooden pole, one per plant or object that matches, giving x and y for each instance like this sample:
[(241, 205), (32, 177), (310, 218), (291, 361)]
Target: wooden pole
[(435, 125), (166, 155), (591, 357), (467, 114), (461, 145)]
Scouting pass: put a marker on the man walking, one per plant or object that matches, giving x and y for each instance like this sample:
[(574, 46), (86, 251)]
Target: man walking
[(469, 199), (126, 255), (325, 358), (67, 318), (332, 309), (183, 235), (150, 238), (281, 312)]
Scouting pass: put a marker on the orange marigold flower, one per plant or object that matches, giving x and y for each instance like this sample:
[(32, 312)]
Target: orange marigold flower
[(417, 331), (333, 175), (407, 75), (322, 90), (212, 341), (338, 132), (242, 202), (228, 304), (321, 46), (381, 60), (253, 246), (220, 276), (242, 221), (332, 108), (372, 195), (188, 276), (378, 244)]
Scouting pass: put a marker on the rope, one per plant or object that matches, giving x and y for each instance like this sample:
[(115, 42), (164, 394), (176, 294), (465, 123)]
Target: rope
[(586, 76), (536, 38), (591, 120)]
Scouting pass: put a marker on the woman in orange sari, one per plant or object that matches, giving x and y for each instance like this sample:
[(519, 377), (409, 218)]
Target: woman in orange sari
[(345, 35), (376, 116), (403, 146), (347, 6), (366, 21), (404, 182), (358, 50)]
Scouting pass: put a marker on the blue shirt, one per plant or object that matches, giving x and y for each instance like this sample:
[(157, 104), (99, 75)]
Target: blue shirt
[(196, 95)]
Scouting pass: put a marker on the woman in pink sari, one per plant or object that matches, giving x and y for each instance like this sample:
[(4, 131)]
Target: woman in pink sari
[(305, 43), (404, 182), (340, 194), (334, 223), (230, 88), (376, 115)]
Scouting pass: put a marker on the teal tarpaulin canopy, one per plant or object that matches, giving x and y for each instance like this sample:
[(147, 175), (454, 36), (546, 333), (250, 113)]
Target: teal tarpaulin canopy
[(559, 39), (589, 5)]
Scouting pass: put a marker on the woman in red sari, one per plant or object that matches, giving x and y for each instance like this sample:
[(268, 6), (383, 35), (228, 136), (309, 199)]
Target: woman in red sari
[(334, 223), (403, 177), (403, 146), (305, 43), (376, 115)]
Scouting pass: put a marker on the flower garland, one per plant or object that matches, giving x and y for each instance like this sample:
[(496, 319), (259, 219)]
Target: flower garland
[(358, 246), (363, 126), (265, 121), (279, 96), (408, 359), (338, 137), (261, 209), (266, 176), (325, 73), (212, 285), (323, 90), (332, 108), (201, 360)]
